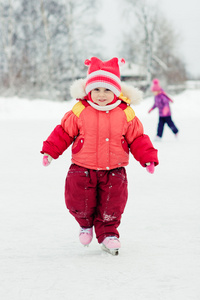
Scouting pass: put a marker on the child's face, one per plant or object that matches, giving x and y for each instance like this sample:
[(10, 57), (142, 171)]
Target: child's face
[(156, 93), (102, 96)]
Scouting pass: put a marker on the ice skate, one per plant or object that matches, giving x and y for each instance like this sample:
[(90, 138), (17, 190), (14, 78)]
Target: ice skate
[(111, 244), (157, 139), (85, 236), (176, 135)]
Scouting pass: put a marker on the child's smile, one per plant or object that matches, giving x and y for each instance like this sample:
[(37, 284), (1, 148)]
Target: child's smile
[(102, 96)]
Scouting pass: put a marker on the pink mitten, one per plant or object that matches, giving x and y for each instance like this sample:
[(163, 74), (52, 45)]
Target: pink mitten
[(150, 167), (46, 160)]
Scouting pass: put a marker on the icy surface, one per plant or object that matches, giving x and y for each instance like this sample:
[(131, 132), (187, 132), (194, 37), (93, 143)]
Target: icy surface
[(41, 257)]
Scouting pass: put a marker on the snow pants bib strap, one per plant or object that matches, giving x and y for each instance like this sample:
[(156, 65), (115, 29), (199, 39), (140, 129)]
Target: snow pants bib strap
[(97, 198)]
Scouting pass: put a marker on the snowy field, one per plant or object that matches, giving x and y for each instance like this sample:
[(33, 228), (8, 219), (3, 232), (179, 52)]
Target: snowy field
[(41, 257)]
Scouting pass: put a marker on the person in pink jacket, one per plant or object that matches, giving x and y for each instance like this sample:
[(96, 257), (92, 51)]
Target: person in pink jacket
[(162, 103), (103, 130)]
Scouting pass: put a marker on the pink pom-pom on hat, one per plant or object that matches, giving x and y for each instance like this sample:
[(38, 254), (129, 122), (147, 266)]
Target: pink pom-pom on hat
[(104, 74), (156, 85), (121, 61), (87, 62)]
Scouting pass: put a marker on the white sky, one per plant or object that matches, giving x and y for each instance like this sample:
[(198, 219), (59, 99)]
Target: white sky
[(184, 15)]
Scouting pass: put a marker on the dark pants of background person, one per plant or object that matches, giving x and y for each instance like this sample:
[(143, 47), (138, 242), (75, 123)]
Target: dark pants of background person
[(170, 123)]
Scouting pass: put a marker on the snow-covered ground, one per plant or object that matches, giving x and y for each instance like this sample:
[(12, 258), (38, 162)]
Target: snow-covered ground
[(41, 257)]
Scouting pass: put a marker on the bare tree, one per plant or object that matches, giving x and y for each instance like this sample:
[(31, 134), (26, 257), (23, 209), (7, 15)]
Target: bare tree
[(152, 40), (44, 44), (7, 33), (70, 27)]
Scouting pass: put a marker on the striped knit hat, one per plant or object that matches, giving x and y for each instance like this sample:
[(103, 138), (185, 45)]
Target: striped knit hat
[(104, 74)]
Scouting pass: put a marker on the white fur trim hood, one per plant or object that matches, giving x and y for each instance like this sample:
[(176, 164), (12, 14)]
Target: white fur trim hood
[(77, 90)]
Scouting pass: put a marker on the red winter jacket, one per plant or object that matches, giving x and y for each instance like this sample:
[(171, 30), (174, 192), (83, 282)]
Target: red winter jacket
[(101, 139)]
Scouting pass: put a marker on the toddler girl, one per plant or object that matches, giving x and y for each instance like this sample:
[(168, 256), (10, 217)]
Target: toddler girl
[(103, 129)]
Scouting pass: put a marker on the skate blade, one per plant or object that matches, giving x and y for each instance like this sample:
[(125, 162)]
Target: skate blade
[(113, 252)]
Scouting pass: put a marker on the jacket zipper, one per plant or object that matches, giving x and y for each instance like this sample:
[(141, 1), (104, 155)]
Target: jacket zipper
[(97, 160)]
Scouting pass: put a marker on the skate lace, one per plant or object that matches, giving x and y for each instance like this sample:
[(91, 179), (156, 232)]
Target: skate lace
[(112, 238), (111, 242), (85, 230)]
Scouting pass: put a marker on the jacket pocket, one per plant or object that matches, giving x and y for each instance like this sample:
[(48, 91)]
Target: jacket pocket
[(125, 146), (120, 173), (77, 171), (78, 146)]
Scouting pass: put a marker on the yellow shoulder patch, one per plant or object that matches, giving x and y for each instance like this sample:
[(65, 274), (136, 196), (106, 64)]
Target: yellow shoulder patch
[(125, 99), (78, 108), (130, 114)]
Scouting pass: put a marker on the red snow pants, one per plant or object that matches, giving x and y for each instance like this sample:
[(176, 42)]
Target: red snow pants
[(97, 198)]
